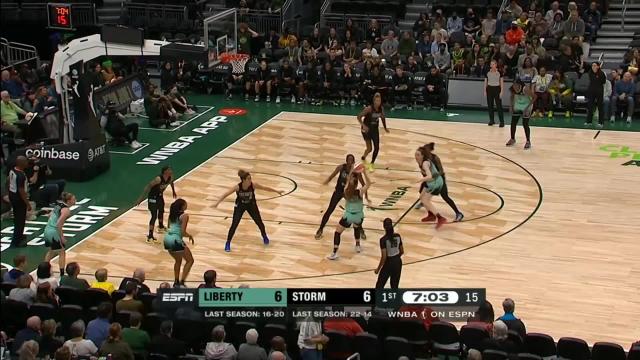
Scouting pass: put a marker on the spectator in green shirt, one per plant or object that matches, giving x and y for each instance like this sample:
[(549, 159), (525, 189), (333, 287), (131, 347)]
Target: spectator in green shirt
[(407, 45), (71, 278), (137, 338), (9, 114)]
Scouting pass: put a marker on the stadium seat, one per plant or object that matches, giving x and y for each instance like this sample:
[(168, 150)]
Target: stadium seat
[(516, 338), (394, 347), (494, 355), (339, 346), (607, 351), (14, 315), (573, 349), (238, 332), (122, 317), (151, 323), (6, 287), (446, 340), (70, 296), (417, 95), (94, 297), (368, 346), (147, 299), (190, 331), (67, 315), (412, 330), (527, 356), (117, 295), (539, 344), (379, 326), (472, 335), (43, 311)]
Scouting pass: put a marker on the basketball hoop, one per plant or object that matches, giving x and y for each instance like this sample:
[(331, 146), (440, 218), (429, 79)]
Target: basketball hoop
[(237, 61)]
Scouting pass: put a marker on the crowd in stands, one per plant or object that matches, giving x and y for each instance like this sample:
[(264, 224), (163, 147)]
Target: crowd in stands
[(545, 47), (66, 317)]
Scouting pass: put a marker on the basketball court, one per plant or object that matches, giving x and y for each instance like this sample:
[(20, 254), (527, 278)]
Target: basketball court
[(551, 227)]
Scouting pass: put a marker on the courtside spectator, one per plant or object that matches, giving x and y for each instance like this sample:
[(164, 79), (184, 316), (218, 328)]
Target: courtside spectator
[(137, 338), (218, 349), (19, 264), (499, 339), (114, 346), (98, 328), (310, 337), (474, 355), (44, 275), (71, 278), (138, 278), (13, 86), (129, 302), (510, 319), (29, 350), (623, 94), (78, 345), (165, 344), (62, 353), (389, 46), (542, 103), (210, 277), (561, 92), (251, 350), (277, 355), (442, 59), (574, 26), (45, 295), (279, 344), (101, 281), (10, 114), (483, 316), (23, 291), (30, 332), (49, 343), (347, 325)]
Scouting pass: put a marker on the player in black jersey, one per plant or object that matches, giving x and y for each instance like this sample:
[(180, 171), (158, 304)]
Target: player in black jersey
[(369, 120), (342, 171), (155, 200), (245, 201), (391, 251)]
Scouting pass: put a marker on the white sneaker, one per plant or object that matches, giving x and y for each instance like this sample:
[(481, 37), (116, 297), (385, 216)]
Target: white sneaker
[(358, 249), (353, 102), (333, 256), (293, 99), (174, 123), (277, 99), (628, 119), (268, 98), (135, 144), (257, 98)]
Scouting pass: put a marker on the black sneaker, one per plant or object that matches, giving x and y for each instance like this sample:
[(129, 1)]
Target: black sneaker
[(318, 234), (491, 123), (363, 236)]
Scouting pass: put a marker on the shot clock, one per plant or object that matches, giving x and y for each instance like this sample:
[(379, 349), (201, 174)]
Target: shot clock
[(59, 15)]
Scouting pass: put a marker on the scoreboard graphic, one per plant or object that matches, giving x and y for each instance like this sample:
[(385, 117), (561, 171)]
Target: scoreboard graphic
[(445, 304)]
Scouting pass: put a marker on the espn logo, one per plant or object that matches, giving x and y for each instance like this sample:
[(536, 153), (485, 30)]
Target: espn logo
[(177, 297)]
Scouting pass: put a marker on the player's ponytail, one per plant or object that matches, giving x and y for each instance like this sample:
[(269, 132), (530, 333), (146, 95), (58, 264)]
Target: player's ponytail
[(431, 146), (66, 196), (243, 174), (176, 210), (387, 224)]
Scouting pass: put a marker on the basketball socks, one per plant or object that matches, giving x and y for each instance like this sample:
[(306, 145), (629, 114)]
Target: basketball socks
[(227, 246)]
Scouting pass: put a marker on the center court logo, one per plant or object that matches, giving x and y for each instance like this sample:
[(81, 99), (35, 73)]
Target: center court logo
[(618, 151)]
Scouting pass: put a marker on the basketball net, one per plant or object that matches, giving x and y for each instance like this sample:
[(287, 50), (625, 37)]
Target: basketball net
[(237, 61)]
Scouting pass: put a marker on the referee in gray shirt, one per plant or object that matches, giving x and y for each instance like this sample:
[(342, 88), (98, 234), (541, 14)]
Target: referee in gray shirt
[(391, 250)]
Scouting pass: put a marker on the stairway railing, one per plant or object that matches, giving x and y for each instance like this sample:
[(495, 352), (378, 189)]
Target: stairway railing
[(624, 12), (17, 53)]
